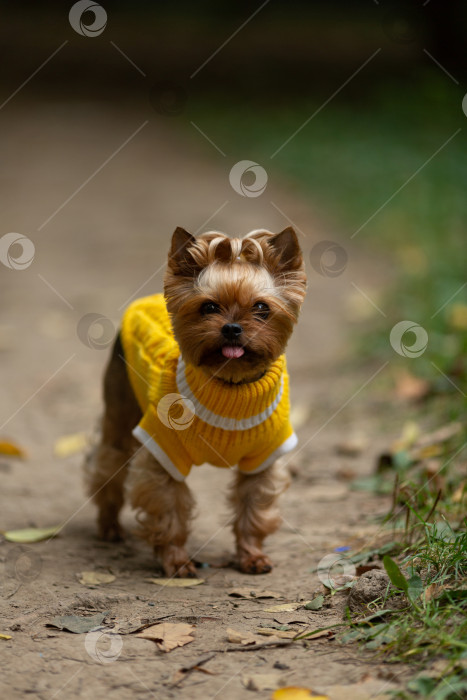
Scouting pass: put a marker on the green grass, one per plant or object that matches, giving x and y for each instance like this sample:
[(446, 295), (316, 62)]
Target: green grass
[(431, 631)]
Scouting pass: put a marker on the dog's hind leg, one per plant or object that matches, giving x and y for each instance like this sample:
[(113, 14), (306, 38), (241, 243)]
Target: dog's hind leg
[(106, 467)]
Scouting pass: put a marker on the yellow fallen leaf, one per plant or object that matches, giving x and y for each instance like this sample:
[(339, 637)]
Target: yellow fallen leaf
[(458, 316), (410, 435), (242, 637), (168, 635), (296, 693), (11, 450), (31, 534), (429, 452), (70, 444), (95, 578), (5, 636), (176, 582), (286, 607)]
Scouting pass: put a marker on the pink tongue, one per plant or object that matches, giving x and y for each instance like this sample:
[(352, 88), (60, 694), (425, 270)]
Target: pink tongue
[(232, 351)]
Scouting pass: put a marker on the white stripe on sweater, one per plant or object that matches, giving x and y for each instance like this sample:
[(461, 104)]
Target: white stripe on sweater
[(214, 419)]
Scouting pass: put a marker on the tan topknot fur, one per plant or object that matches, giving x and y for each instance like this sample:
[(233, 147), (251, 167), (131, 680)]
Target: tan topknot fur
[(214, 246)]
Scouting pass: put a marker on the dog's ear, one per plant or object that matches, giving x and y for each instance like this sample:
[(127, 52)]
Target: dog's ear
[(180, 261), (286, 250)]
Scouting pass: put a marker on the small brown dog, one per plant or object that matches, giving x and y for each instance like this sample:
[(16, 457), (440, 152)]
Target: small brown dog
[(198, 375)]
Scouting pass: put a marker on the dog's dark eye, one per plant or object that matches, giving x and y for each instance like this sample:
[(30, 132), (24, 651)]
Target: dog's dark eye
[(209, 307), (261, 310)]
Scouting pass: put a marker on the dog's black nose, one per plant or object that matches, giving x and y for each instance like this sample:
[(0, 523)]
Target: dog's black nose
[(231, 331)]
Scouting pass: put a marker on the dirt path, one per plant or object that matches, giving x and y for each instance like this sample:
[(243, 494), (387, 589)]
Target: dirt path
[(106, 244)]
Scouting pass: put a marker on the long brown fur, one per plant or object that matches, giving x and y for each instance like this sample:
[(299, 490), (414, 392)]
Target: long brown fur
[(235, 274)]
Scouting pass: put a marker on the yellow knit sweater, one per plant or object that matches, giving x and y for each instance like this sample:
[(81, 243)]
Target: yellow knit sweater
[(191, 418)]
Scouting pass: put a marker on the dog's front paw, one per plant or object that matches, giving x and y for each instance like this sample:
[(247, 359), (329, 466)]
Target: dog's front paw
[(176, 563), (111, 532), (254, 563)]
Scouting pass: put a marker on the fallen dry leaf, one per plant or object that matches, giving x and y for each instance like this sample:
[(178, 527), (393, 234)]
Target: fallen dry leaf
[(428, 452), (457, 316), (78, 624), (31, 534), (70, 444), (296, 693), (11, 449), (242, 637), (411, 388), (286, 607), (315, 604), (262, 681), (5, 636), (410, 435), (352, 446), (168, 635), (176, 582), (282, 634), (250, 593), (95, 578), (434, 590), (320, 634)]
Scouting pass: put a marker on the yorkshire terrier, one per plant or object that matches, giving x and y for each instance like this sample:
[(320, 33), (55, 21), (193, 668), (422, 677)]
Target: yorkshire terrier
[(198, 375)]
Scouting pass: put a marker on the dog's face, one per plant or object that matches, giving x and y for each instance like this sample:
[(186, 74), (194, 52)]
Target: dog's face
[(233, 302)]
